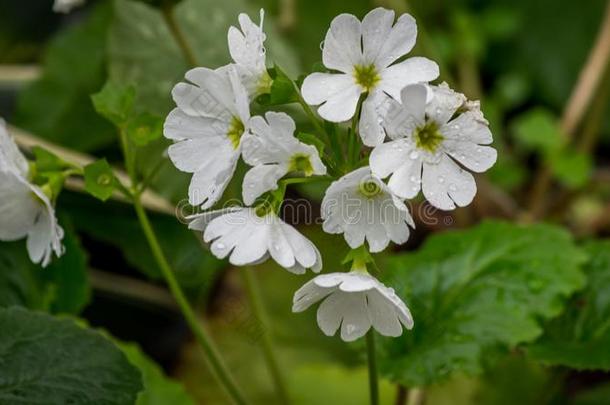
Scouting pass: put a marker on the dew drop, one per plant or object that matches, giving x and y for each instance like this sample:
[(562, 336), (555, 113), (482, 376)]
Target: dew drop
[(441, 179), (453, 187), (322, 45), (414, 155), (220, 245), (456, 126), (479, 150), (276, 246), (350, 328)]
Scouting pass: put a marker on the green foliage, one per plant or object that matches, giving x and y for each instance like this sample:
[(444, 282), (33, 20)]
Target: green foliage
[(62, 287), (313, 140), (67, 277), (581, 336), (57, 106), (115, 102), (158, 388), (99, 179), (538, 130), (47, 161), (572, 168), (475, 293), (143, 52), (144, 128), (115, 224), (55, 361)]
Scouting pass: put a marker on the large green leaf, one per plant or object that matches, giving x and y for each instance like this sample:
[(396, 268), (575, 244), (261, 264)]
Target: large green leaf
[(62, 287), (57, 106), (474, 292), (46, 360), (580, 338), (158, 388)]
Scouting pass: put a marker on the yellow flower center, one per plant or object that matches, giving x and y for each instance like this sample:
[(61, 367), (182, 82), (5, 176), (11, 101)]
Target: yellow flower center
[(428, 137), (366, 76), (264, 84), (301, 163), (369, 188), (236, 130)]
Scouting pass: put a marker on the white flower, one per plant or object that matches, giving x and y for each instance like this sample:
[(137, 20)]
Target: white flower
[(363, 53), (273, 151), (361, 206), (65, 6), (248, 52), (25, 210), (208, 125), (248, 239), (428, 140), (354, 301)]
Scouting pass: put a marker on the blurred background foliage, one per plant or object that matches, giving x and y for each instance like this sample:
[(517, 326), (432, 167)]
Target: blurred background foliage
[(522, 58)]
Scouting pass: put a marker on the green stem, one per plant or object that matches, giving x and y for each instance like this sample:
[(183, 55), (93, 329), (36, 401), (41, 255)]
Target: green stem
[(219, 368), (258, 309), (310, 114), (372, 360), (170, 20), (353, 151)]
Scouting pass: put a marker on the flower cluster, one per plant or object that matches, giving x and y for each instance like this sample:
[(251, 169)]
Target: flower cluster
[(424, 137)]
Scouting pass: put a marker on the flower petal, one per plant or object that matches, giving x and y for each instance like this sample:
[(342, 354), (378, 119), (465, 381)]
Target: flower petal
[(406, 181), (475, 157), (11, 158), (411, 71), (356, 321), (179, 126), (259, 180), (18, 208), (342, 46), (388, 157), (211, 94), (307, 295), (208, 184), (342, 106), (383, 315), (376, 28), (319, 87), (470, 126), (444, 103), (393, 45), (44, 238), (446, 185), (371, 119)]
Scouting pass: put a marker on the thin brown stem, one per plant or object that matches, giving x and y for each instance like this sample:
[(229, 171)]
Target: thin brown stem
[(169, 16)]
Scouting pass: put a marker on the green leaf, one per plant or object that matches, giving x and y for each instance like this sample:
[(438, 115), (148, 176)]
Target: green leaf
[(537, 130), (144, 128), (47, 161), (313, 140), (19, 280), (62, 287), (581, 336), (571, 167), (67, 277), (57, 106), (282, 91), (474, 293), (115, 102), (46, 360), (99, 180), (158, 388)]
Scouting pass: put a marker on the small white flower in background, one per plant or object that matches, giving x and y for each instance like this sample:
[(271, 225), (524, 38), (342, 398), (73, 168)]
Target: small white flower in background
[(354, 302), (428, 140), (65, 6), (208, 125), (25, 210), (364, 53), (248, 52), (273, 151), (361, 206), (248, 237)]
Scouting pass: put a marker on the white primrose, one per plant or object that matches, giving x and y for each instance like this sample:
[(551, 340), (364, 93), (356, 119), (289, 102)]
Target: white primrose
[(273, 151), (429, 139), (25, 210), (364, 53), (208, 124), (354, 302), (250, 236), (362, 207), (247, 50)]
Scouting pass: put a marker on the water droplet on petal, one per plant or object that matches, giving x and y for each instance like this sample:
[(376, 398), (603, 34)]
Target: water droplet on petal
[(441, 179), (414, 155), (453, 187), (322, 45), (220, 245)]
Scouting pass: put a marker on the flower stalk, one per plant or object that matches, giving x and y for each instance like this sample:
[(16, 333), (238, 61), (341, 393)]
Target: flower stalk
[(258, 309), (372, 363)]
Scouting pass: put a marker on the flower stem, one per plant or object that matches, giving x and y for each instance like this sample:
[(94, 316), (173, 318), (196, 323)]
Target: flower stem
[(257, 307), (169, 17), (212, 355), (372, 360)]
